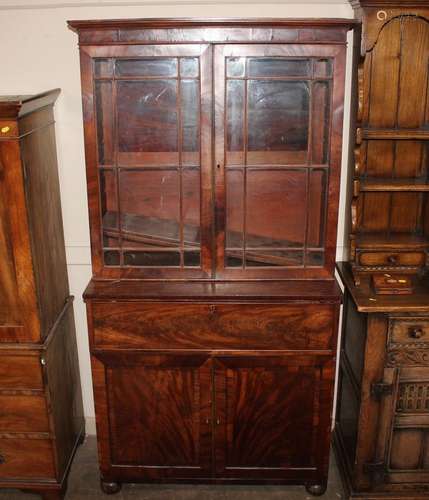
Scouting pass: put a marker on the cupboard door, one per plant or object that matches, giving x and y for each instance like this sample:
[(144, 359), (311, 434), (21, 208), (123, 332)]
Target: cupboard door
[(277, 118), (403, 435), (157, 414), (272, 416), (152, 160)]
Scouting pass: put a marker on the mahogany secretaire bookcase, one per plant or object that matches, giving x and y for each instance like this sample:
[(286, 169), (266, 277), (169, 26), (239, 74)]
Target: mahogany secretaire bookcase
[(382, 428), (213, 152), (41, 414)]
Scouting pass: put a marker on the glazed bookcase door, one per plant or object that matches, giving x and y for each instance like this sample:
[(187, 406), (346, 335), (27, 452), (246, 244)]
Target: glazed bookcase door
[(278, 116), (147, 112), (159, 414), (266, 413), (403, 435)]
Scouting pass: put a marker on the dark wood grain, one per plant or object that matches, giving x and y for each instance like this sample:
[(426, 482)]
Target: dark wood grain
[(222, 369), (39, 384)]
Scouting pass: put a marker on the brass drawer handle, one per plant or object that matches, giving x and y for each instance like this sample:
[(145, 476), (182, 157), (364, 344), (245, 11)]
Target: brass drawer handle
[(212, 309), (392, 259), (416, 333), (2, 459)]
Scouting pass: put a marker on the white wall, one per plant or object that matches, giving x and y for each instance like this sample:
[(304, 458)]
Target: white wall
[(38, 53)]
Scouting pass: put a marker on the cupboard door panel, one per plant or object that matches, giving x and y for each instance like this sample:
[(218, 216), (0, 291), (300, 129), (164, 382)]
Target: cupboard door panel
[(159, 413), (272, 416)]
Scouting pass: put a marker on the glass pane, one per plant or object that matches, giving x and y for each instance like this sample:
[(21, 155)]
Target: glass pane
[(276, 208), (152, 259), (234, 208), (235, 67), (104, 117), (191, 206), (109, 208), (288, 258), (315, 259), (111, 258), (147, 122), (192, 259), (278, 116), (233, 258), (147, 67), (103, 68), (189, 67), (235, 122), (316, 208), (320, 122), (150, 207), (278, 66), (323, 68), (189, 100)]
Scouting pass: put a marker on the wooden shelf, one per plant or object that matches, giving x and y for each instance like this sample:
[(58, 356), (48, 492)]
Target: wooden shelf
[(374, 185), (392, 134), (390, 241)]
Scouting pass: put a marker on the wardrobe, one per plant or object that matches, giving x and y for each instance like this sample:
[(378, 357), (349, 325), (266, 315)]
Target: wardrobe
[(213, 154)]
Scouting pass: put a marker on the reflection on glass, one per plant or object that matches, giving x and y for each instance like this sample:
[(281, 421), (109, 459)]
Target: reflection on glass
[(111, 258), (234, 185), (276, 208), (191, 206), (190, 121), (189, 67), (152, 259), (147, 122), (316, 208), (104, 117), (192, 259), (235, 67), (320, 122), (278, 66), (278, 121), (103, 68), (323, 68), (315, 259), (155, 66), (109, 208), (285, 258), (235, 122)]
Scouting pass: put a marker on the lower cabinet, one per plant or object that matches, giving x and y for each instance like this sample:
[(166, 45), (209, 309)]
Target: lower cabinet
[(382, 423), (253, 405)]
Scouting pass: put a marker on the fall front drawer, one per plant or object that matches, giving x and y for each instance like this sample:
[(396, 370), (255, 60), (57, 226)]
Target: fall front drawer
[(26, 458), (212, 326)]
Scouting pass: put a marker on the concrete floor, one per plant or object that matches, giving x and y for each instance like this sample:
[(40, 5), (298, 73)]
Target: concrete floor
[(84, 484)]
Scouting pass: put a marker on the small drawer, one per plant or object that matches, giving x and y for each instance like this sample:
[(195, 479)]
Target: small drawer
[(22, 413), (392, 259), (26, 459), (212, 326), (406, 331), (20, 372)]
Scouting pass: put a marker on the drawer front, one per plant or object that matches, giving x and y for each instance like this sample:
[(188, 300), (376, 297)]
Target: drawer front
[(220, 326), (392, 258), (19, 413), (414, 331), (26, 459), (20, 372)]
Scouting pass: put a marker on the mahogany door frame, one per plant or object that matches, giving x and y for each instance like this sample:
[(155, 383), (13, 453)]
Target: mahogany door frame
[(204, 52), (338, 54)]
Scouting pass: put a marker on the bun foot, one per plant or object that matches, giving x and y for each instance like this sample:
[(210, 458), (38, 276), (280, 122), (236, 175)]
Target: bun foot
[(110, 488), (317, 490)]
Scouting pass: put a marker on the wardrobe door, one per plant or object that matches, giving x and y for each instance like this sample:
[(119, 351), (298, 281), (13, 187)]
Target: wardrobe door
[(149, 159), (278, 119)]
